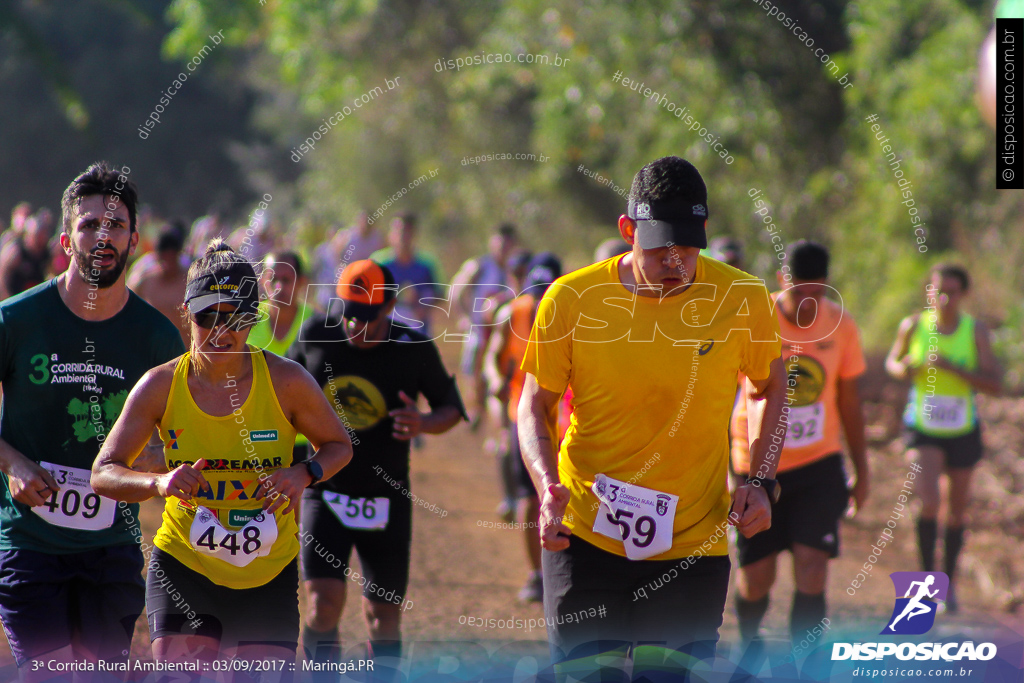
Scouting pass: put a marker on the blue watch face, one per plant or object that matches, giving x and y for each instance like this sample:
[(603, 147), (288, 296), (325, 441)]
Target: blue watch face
[(315, 470)]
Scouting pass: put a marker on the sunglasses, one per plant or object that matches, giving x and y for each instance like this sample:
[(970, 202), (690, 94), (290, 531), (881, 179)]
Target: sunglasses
[(230, 319)]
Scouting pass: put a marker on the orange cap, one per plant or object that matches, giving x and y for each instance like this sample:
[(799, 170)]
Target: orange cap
[(364, 285)]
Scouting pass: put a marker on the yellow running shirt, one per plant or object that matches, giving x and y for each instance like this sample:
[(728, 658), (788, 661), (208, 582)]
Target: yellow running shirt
[(654, 383), (255, 439)]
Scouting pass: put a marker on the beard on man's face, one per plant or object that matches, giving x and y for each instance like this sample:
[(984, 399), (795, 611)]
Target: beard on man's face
[(84, 261)]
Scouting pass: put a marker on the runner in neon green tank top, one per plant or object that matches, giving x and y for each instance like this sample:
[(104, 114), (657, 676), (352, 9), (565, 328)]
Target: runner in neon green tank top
[(948, 356), (227, 414)]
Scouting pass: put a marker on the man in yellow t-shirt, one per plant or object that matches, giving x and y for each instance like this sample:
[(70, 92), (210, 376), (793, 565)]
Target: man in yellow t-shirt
[(651, 342)]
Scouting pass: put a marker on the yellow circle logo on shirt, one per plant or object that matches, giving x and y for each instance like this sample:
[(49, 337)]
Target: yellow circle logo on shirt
[(356, 400), (810, 380)]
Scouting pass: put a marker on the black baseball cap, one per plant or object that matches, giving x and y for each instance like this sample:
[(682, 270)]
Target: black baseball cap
[(231, 283), (545, 268), (664, 223)]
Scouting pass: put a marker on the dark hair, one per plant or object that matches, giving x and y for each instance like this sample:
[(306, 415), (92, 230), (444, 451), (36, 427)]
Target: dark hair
[(98, 179), (289, 257), (217, 254), (668, 178), (507, 230), (407, 217), (953, 270), (808, 260), (171, 238)]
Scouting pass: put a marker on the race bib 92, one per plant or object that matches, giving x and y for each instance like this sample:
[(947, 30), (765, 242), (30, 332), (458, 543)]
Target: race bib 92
[(806, 425), (76, 505)]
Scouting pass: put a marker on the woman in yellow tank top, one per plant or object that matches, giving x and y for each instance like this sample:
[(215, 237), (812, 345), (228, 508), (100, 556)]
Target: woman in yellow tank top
[(223, 579)]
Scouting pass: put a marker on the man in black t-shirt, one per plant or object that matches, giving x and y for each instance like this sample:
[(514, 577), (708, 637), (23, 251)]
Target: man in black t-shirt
[(372, 371), (71, 350)]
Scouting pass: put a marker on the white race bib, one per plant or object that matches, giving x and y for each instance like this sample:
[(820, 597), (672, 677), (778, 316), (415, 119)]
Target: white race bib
[(947, 412), (639, 517), (806, 425), (359, 513), (209, 537), (76, 505)]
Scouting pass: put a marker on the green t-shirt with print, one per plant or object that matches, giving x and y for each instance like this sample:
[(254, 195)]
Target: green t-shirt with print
[(65, 381)]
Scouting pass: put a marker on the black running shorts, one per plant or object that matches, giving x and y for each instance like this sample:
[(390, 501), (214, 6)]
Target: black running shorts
[(814, 498), (961, 451), (383, 554), (183, 602), (593, 598)]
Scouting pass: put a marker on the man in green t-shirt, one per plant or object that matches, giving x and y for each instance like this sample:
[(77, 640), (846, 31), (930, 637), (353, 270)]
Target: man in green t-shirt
[(70, 351)]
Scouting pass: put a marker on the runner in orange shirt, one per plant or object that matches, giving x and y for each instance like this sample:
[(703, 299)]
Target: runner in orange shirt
[(821, 350), (504, 355)]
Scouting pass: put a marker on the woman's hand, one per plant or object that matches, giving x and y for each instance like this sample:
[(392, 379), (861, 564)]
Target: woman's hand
[(285, 486), (184, 481)]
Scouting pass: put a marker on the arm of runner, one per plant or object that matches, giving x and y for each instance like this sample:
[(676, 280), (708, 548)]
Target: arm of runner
[(461, 285), (28, 481), (152, 457), (538, 417), (441, 392), (306, 407), (851, 414), (751, 510), (988, 378), (897, 363), (112, 472), (410, 422), (8, 262), (497, 376)]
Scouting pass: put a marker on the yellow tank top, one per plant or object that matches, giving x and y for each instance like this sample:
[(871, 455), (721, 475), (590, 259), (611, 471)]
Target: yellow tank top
[(256, 438)]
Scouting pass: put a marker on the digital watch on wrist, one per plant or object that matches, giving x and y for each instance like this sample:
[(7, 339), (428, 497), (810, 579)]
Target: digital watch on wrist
[(315, 471), (770, 486)]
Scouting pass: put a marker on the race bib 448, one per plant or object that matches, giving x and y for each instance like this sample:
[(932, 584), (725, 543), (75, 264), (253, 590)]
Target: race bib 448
[(209, 537)]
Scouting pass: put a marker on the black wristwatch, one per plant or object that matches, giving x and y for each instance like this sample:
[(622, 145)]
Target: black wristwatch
[(315, 471), (771, 487)]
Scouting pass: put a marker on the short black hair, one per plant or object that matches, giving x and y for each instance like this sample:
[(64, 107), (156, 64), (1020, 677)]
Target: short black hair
[(98, 179), (953, 270), (669, 178), (407, 217), (808, 260), (289, 257), (171, 238), (507, 230)]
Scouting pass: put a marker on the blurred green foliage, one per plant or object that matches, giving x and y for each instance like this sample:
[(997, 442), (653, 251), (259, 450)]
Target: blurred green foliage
[(77, 80), (792, 130)]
